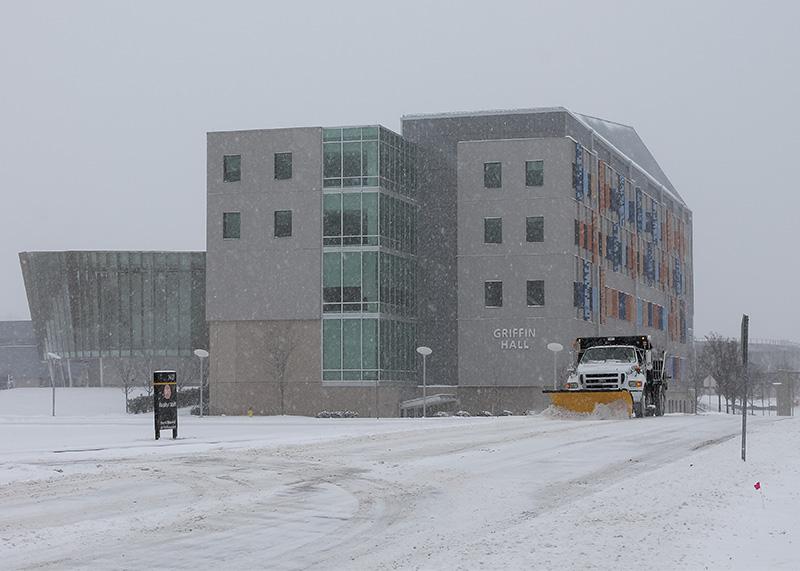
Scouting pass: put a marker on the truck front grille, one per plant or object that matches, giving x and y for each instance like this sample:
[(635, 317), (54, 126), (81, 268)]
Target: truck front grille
[(601, 380)]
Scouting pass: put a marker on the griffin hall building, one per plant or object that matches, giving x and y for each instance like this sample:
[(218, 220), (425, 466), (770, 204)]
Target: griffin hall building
[(332, 253)]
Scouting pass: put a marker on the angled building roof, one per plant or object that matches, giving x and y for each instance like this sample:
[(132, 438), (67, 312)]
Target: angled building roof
[(623, 138), (627, 140)]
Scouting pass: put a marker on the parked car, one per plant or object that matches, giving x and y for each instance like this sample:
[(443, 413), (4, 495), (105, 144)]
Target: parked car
[(441, 413), (485, 413), (462, 413)]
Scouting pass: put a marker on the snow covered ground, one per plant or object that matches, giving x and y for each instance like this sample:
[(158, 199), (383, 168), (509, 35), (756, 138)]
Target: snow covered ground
[(90, 488)]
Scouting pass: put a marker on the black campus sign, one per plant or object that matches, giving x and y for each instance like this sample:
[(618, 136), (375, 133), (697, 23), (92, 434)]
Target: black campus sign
[(165, 402)]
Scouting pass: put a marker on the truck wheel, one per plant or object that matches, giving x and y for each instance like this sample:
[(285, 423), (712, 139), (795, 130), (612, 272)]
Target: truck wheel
[(638, 408), (660, 402)]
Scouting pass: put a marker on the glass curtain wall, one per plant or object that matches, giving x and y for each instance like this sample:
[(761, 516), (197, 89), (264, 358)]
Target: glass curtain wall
[(369, 266), (118, 304)]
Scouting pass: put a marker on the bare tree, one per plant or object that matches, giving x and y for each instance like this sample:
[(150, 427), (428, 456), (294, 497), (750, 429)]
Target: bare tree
[(279, 350), (126, 368), (721, 358), (144, 373)]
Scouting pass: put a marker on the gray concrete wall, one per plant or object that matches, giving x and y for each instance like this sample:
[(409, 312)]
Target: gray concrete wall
[(437, 138), (259, 276), (244, 373), (491, 351)]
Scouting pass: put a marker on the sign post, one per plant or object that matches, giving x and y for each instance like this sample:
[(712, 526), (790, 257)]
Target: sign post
[(165, 402), (745, 327)]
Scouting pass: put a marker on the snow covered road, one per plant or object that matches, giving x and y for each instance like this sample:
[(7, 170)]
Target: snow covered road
[(292, 493)]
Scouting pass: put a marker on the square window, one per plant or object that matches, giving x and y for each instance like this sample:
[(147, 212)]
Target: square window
[(492, 175), (232, 168), (534, 173), (232, 225), (493, 230), (283, 223), (283, 166), (535, 293), (493, 294), (534, 229)]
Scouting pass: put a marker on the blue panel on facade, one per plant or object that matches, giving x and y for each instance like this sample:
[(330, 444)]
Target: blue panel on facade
[(639, 211), (579, 174), (587, 291)]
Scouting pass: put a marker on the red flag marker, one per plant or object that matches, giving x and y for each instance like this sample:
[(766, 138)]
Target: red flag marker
[(757, 485)]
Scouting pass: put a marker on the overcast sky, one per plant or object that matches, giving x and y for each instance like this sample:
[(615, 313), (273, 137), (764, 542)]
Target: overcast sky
[(104, 108)]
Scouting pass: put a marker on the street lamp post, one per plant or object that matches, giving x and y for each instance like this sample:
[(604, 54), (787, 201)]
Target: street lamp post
[(424, 351), (555, 348), (50, 357), (201, 354)]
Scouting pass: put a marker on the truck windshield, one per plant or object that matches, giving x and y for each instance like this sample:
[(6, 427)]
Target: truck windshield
[(600, 354)]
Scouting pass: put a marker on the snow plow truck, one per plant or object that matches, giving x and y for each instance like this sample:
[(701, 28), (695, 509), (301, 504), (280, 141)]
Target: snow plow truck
[(612, 369)]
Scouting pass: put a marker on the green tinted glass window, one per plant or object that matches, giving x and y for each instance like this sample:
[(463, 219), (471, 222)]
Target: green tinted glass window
[(535, 292), (231, 224), (331, 343), (332, 215), (351, 160), (332, 277), (534, 229), (351, 134), (492, 175), (369, 336), (369, 158), (331, 134), (493, 294), (369, 213), (370, 278), (493, 230), (534, 173), (351, 343), (232, 168), (283, 166), (283, 223), (351, 208), (332, 160), (351, 277)]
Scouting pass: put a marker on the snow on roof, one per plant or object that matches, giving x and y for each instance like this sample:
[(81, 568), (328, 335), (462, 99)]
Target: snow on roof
[(627, 142), (623, 139)]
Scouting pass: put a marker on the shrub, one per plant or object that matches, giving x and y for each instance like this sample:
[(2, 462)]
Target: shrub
[(186, 397)]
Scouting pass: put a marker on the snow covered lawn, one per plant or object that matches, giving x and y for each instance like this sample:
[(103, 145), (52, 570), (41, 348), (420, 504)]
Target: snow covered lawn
[(91, 488)]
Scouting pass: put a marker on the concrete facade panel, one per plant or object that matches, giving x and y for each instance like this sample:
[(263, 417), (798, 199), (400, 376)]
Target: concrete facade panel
[(260, 276)]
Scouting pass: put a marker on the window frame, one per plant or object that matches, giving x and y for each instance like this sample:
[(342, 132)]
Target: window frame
[(239, 234), (527, 293), (485, 229), (541, 182), (275, 165), (226, 174), (486, 293), (499, 177), (275, 224), (527, 235)]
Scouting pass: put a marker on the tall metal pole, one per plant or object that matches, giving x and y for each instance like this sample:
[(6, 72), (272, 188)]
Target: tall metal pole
[(555, 370), (201, 387), (377, 410), (745, 326), (52, 382), (424, 390)]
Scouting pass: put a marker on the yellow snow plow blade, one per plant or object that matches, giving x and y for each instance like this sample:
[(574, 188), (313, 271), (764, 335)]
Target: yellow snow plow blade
[(585, 401)]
